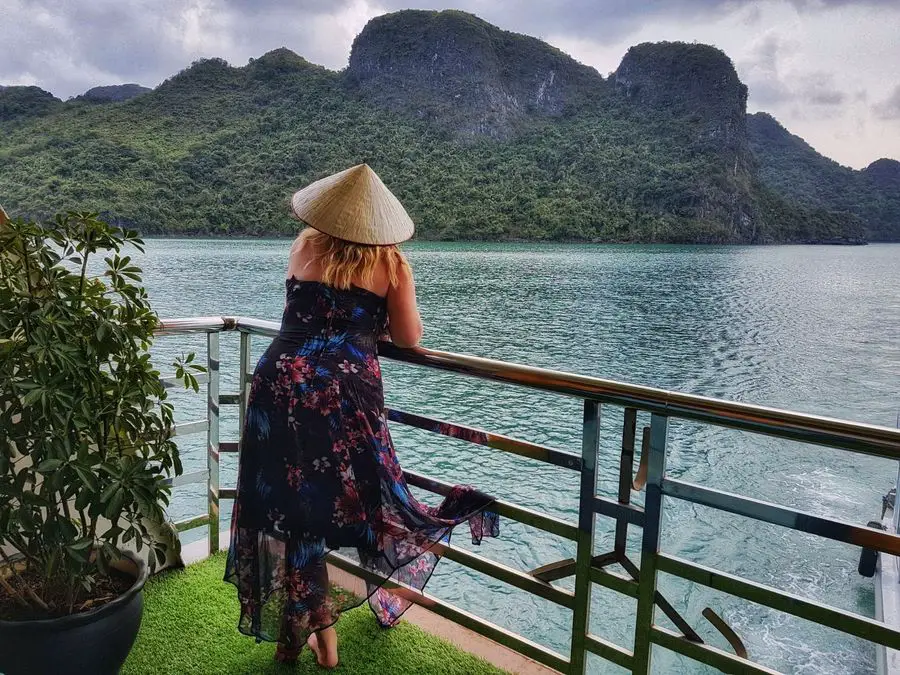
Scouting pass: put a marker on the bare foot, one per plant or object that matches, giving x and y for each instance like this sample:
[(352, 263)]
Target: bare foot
[(326, 654)]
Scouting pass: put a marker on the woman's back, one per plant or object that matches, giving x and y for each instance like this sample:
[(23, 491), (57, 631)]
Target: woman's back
[(312, 307), (381, 271)]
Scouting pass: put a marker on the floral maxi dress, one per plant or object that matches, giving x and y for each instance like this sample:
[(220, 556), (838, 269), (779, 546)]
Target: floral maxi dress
[(318, 473)]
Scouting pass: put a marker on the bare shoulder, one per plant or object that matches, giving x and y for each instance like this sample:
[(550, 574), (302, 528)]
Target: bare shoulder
[(402, 271), (299, 257), (380, 282)]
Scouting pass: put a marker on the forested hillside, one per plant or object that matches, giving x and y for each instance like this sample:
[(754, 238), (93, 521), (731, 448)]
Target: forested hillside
[(483, 134), (797, 171)]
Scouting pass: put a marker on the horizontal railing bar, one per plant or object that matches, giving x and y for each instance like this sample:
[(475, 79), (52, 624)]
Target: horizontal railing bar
[(199, 324), (847, 622), (256, 326), (227, 493), (780, 515), (492, 631), (508, 575), (229, 446), (191, 523), (614, 582), (608, 650), (480, 437), (186, 428), (526, 516), (187, 478), (229, 399), (867, 438), (171, 382), (871, 439), (613, 509), (704, 653)]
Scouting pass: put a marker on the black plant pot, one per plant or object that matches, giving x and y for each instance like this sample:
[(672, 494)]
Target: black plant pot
[(95, 642)]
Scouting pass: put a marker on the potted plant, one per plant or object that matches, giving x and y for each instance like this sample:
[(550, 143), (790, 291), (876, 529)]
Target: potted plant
[(85, 445)]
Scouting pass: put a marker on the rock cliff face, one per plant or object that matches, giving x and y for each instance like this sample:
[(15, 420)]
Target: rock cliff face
[(690, 80), (462, 72), (694, 90), (113, 93)]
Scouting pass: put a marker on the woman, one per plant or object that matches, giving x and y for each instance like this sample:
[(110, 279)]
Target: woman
[(317, 469)]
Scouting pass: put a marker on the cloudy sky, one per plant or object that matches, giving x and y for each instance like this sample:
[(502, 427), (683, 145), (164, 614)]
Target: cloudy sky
[(827, 69)]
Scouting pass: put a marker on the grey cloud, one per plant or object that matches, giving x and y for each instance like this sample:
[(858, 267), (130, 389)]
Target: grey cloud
[(820, 4), (826, 97), (818, 89), (769, 86), (256, 8), (606, 20), (760, 71), (68, 46), (587, 19), (889, 109)]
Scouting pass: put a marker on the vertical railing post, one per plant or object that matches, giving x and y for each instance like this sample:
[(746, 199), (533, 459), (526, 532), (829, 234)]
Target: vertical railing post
[(243, 385), (212, 439), (646, 609), (895, 521), (581, 613), (626, 475)]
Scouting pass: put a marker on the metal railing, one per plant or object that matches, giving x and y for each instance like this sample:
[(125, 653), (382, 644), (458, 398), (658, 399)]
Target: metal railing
[(640, 582)]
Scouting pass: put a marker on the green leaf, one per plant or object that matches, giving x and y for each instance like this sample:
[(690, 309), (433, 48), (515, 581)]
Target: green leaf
[(114, 507), (33, 396), (109, 492), (49, 465), (81, 544), (86, 475)]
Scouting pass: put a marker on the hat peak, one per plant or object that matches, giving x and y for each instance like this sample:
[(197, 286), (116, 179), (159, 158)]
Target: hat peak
[(354, 204)]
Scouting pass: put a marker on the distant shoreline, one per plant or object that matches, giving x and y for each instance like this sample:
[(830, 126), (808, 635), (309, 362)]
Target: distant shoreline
[(569, 242)]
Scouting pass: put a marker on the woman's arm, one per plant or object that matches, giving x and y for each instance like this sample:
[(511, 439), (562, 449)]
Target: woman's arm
[(404, 321)]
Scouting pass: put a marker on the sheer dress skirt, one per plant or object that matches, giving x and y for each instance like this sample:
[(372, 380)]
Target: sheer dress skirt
[(318, 473)]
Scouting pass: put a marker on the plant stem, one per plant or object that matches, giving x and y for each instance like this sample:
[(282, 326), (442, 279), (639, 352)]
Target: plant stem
[(22, 547), (31, 594), (84, 262), (25, 322), (27, 267), (37, 600), (13, 592), (65, 504)]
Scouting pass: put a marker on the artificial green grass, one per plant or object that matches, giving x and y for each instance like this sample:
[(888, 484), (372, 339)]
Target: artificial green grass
[(190, 626)]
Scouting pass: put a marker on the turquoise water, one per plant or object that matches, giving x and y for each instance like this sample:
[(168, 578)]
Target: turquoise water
[(809, 328)]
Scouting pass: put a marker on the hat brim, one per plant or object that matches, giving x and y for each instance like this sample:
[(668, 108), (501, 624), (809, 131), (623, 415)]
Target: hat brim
[(354, 205)]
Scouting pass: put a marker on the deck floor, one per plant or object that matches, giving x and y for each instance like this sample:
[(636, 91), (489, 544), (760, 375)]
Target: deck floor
[(189, 626)]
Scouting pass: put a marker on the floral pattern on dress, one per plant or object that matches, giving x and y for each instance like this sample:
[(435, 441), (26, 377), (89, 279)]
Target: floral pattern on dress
[(318, 472)]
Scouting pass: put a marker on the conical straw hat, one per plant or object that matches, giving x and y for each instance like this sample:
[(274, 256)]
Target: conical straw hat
[(354, 205)]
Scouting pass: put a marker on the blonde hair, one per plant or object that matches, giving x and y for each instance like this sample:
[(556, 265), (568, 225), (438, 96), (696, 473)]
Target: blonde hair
[(344, 262)]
